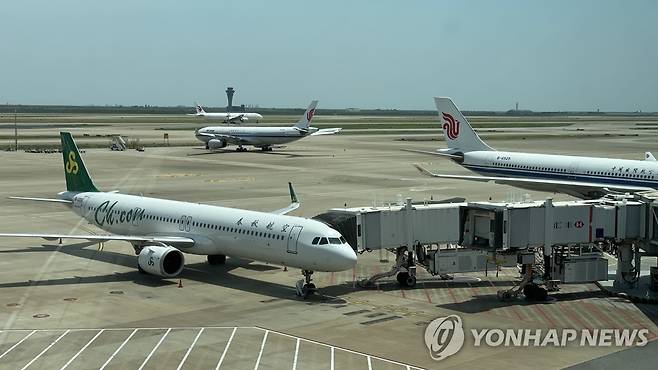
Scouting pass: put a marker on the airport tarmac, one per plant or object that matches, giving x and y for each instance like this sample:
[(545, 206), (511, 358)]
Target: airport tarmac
[(73, 306)]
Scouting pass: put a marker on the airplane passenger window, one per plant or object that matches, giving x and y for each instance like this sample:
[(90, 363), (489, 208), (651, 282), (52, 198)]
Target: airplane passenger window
[(323, 241), (315, 240)]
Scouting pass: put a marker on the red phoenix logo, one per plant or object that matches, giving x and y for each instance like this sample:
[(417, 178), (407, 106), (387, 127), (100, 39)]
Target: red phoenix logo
[(451, 126), (309, 114)]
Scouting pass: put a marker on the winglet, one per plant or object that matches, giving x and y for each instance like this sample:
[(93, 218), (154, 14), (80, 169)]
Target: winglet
[(293, 196)]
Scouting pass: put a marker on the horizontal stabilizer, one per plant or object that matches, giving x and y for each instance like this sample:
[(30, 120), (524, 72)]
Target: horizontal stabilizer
[(433, 153), (327, 131), (43, 200)]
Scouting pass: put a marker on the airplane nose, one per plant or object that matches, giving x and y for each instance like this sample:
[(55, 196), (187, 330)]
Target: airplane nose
[(347, 258)]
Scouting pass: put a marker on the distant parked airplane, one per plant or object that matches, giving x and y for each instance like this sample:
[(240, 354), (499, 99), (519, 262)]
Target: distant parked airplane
[(161, 230), (217, 137), (234, 118), (582, 177)]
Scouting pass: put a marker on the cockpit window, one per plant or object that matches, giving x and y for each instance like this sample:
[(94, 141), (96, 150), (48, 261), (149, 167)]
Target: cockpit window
[(343, 240), (334, 241), (323, 240), (316, 240)]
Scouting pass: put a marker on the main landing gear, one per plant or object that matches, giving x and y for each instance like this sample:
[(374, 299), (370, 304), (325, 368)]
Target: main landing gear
[(304, 286), (240, 149), (216, 259), (266, 148)]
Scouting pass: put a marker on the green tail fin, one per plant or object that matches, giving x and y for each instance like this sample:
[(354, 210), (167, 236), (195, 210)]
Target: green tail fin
[(77, 177)]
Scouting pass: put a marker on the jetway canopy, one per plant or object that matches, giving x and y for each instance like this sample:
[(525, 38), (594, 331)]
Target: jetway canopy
[(504, 226)]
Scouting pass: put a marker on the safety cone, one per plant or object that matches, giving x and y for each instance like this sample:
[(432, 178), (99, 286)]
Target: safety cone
[(180, 283)]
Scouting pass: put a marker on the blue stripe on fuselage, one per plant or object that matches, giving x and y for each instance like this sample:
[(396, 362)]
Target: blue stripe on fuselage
[(515, 172)]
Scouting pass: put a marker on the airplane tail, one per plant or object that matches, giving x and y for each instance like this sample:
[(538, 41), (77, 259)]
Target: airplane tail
[(305, 121), (199, 110), (77, 177), (457, 132)]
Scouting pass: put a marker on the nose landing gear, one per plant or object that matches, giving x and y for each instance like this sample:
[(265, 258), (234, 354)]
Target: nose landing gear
[(304, 286)]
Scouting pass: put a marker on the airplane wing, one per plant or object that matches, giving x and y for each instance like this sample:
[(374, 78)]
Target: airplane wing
[(584, 190), (294, 203), (229, 138), (327, 131), (171, 240)]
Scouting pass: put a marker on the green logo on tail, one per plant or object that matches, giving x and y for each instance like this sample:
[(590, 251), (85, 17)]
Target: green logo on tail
[(77, 177)]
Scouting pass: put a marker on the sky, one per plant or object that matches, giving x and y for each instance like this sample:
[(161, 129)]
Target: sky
[(486, 55)]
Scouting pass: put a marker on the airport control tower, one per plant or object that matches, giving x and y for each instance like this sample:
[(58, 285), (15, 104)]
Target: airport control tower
[(229, 95)]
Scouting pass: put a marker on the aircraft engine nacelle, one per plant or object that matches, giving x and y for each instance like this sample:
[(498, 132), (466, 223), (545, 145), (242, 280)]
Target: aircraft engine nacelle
[(161, 261), (217, 144), (244, 119)]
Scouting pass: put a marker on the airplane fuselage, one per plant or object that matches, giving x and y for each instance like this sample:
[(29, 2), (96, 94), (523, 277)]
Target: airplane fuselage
[(563, 167), (257, 136), (225, 117), (267, 237)]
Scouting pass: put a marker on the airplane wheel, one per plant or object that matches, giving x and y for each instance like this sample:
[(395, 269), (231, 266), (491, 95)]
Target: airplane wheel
[(410, 281), (308, 290), (216, 259)]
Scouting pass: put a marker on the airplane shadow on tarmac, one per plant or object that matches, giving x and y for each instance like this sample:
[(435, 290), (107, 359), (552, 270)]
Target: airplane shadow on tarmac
[(218, 275), (260, 152)]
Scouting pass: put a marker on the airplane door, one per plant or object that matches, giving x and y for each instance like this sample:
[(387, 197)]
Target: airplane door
[(181, 223), (292, 238)]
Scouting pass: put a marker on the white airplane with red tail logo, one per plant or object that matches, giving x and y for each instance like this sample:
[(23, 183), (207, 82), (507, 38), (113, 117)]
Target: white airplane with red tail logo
[(581, 177), (217, 137), (235, 118)]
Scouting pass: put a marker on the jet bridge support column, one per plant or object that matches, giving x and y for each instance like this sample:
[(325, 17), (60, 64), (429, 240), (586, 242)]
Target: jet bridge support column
[(410, 278)]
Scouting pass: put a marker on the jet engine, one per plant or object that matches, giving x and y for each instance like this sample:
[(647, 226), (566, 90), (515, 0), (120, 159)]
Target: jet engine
[(163, 261), (217, 143), (244, 119)]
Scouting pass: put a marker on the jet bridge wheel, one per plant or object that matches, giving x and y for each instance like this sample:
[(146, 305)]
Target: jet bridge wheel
[(406, 279), (216, 259)]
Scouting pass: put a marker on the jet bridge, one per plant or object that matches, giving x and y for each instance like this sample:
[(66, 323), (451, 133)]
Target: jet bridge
[(552, 242)]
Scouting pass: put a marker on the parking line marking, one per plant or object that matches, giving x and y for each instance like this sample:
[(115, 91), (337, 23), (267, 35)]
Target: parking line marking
[(221, 359), (332, 358), (154, 349), (82, 349), (118, 349), (294, 361), (369, 363), (45, 349), (16, 345), (189, 349), (262, 346)]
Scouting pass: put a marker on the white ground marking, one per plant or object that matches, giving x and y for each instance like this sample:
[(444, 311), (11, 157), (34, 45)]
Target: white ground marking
[(201, 330), (189, 349), (221, 359), (118, 349), (332, 358), (19, 342), (294, 361), (45, 350), (262, 346), (82, 349), (154, 349)]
